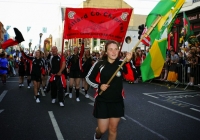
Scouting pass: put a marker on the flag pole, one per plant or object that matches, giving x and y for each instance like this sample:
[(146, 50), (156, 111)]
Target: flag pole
[(133, 49), (122, 43), (62, 46)]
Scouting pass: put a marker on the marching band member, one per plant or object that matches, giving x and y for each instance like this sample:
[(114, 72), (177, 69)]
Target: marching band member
[(74, 69), (37, 68), (21, 71), (28, 72), (108, 107), (87, 64), (57, 79)]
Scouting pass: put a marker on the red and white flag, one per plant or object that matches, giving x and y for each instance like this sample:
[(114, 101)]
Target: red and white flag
[(11, 42), (145, 40), (109, 24)]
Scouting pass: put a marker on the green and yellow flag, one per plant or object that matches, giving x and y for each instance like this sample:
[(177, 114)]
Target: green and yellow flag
[(187, 28), (153, 64)]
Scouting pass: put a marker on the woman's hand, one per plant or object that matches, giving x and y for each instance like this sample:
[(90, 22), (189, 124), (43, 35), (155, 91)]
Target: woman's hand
[(59, 73), (104, 87)]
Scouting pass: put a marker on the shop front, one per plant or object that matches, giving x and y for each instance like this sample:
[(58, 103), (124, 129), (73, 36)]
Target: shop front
[(175, 35)]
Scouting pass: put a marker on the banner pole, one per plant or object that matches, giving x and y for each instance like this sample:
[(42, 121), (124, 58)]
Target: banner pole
[(62, 46), (120, 48), (133, 49)]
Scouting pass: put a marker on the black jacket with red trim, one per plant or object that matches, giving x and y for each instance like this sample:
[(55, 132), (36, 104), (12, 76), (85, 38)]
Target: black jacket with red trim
[(28, 66), (56, 63), (87, 64), (74, 63), (21, 68), (37, 66), (100, 73)]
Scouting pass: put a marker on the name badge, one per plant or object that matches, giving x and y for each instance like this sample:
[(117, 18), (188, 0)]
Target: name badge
[(118, 74)]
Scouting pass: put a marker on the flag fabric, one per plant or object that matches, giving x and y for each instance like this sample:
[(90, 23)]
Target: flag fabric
[(44, 30), (28, 29), (145, 40), (187, 28), (7, 28), (153, 64), (109, 24), (11, 42)]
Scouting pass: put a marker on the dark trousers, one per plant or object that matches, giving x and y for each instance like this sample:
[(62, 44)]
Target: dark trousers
[(57, 89)]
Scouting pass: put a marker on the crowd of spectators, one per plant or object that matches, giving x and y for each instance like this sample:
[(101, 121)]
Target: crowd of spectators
[(184, 64)]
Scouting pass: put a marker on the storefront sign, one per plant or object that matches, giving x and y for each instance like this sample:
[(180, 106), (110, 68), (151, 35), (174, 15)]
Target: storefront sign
[(193, 17), (196, 27)]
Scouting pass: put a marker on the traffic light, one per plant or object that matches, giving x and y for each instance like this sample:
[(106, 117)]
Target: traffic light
[(141, 28)]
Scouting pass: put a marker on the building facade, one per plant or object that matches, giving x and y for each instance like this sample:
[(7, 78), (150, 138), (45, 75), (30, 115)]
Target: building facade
[(192, 11), (2, 32)]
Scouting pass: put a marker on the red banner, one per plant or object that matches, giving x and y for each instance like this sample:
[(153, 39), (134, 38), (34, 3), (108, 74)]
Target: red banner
[(109, 24)]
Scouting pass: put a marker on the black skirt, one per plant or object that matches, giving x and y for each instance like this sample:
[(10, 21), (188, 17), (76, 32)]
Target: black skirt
[(21, 73), (36, 78), (28, 73), (75, 74), (103, 110)]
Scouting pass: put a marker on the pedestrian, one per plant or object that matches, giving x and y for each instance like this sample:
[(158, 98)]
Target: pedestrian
[(21, 71), (87, 64), (74, 69), (3, 67), (57, 80), (44, 77), (172, 73), (108, 107), (37, 68), (28, 72)]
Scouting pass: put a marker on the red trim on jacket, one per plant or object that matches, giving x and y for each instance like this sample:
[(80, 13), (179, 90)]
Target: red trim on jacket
[(62, 78)]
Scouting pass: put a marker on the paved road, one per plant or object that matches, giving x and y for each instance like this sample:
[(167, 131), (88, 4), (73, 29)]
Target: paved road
[(152, 112)]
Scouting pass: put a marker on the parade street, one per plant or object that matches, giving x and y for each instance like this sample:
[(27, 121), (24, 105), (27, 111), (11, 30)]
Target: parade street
[(152, 112)]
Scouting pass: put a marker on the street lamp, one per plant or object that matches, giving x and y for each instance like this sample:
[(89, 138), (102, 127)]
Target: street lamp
[(29, 44), (40, 41)]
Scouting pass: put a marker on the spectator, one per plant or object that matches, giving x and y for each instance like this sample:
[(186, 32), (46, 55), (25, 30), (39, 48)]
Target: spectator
[(173, 75), (181, 59), (198, 54), (139, 58), (166, 68), (191, 69)]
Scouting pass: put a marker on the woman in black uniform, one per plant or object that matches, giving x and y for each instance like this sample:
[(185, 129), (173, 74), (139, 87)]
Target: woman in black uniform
[(21, 71), (37, 68), (74, 69), (28, 73), (87, 64), (109, 106)]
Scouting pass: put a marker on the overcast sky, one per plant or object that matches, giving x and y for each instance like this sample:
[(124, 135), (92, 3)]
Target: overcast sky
[(46, 13)]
